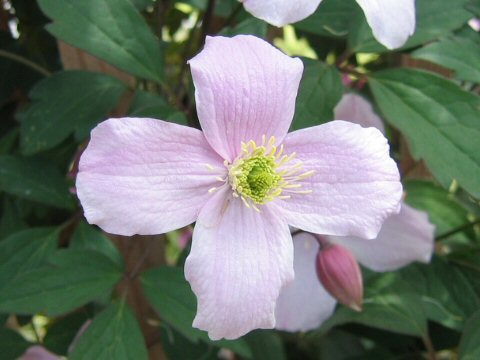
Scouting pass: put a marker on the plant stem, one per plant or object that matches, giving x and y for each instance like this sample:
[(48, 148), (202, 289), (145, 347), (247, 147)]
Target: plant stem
[(432, 354), (233, 15), (25, 61), (458, 229), (207, 18)]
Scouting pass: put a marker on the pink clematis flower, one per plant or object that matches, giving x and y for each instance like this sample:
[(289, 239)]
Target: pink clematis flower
[(243, 180), (37, 352), (392, 21), (405, 237)]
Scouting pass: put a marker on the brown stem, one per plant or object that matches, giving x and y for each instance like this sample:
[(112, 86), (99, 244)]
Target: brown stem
[(207, 18), (432, 354)]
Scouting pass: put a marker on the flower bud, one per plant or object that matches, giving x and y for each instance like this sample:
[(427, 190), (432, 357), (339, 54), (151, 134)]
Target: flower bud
[(340, 275)]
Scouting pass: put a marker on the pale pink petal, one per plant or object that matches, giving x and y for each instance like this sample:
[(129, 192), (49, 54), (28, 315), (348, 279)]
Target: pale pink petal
[(303, 304), (392, 21), (356, 109), (355, 186), (404, 238), (281, 12), (244, 88), (38, 352), (145, 176), (238, 263)]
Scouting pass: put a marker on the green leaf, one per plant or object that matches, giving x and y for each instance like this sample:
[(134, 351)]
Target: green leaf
[(434, 19), (332, 18), (442, 208), (11, 219), (389, 304), (112, 30), (63, 331), (265, 345), (87, 237), (469, 348), (177, 346), (320, 90), (34, 179), (67, 102), (113, 334), (439, 120), (147, 104), (171, 296), (24, 251), (447, 296), (7, 142), (460, 55), (12, 344), (71, 279), (250, 26)]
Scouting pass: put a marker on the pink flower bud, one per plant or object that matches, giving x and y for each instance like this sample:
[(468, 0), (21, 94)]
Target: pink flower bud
[(340, 275)]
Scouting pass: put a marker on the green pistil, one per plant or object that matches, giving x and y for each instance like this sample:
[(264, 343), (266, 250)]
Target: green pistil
[(258, 178)]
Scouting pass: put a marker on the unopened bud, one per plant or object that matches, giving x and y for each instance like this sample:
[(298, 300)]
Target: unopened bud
[(340, 275)]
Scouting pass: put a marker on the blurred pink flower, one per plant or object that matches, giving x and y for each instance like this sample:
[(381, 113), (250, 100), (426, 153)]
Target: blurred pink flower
[(405, 237), (243, 180), (38, 352), (392, 21)]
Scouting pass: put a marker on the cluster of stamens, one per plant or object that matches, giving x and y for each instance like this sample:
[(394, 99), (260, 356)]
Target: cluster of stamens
[(263, 173)]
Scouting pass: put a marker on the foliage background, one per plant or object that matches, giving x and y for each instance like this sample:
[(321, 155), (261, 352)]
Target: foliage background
[(74, 63)]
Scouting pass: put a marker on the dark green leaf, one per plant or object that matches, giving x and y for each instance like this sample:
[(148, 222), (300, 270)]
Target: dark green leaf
[(34, 180), (389, 304), (439, 120), (447, 296), (147, 104), (87, 237), (320, 90), (67, 102), (177, 346), (71, 279), (332, 18), (113, 30), (61, 333), (113, 334), (24, 251), (265, 345), (170, 294), (460, 55), (250, 26), (434, 19), (442, 208), (11, 220), (8, 141), (12, 344), (470, 343)]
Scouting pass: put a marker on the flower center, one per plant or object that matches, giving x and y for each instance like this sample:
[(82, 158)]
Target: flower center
[(262, 173)]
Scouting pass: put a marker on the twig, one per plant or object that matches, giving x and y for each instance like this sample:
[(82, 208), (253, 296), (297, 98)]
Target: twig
[(458, 229), (432, 354), (25, 61), (207, 18), (134, 273)]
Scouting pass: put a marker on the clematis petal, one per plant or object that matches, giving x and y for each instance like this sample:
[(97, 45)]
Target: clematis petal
[(304, 304), (281, 12), (37, 352), (244, 88), (355, 186), (392, 21), (238, 263), (356, 109), (404, 238), (145, 176)]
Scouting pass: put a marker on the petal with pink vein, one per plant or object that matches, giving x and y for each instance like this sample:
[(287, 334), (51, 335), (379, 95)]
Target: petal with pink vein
[(281, 12), (239, 261), (145, 176), (392, 21), (244, 88), (404, 238), (355, 186), (304, 304)]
